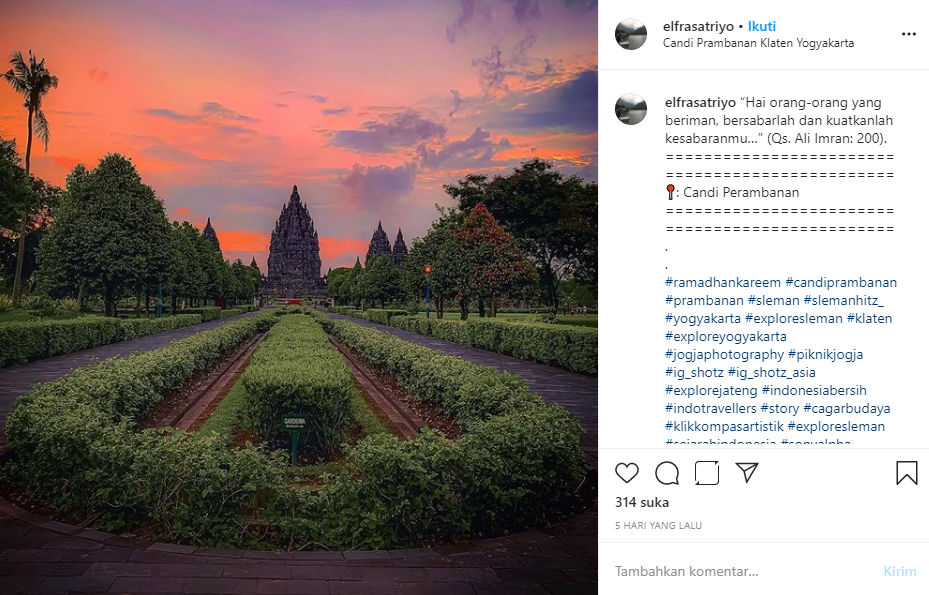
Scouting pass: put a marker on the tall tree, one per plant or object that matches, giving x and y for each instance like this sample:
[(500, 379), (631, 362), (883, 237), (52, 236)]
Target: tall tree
[(380, 281), (494, 265), (439, 250), (336, 279), (33, 81), (110, 229), (14, 184), (553, 218)]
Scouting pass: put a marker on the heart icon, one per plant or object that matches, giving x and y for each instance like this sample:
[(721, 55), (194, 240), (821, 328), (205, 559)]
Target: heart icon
[(627, 471)]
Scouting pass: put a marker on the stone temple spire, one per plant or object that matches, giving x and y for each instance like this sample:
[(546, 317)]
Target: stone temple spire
[(399, 252), (210, 234), (379, 244), (293, 257), (254, 264)]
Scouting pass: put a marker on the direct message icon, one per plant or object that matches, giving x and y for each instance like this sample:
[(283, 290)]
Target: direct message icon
[(707, 473), (908, 471), (627, 471), (748, 469), (667, 473)]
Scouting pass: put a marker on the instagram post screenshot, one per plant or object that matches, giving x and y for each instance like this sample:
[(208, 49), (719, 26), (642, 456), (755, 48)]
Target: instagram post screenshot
[(305, 297)]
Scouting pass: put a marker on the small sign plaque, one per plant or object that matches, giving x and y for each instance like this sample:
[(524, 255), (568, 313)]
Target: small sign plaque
[(294, 421)]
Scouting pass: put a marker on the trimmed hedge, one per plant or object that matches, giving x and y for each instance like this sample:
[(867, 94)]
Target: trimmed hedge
[(297, 370), (21, 342), (379, 316), (570, 347), (207, 312), (77, 447), (215, 312), (519, 461)]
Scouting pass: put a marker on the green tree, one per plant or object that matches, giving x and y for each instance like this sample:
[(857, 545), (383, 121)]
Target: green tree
[(14, 185), (335, 281), (186, 271), (494, 265), (33, 81), (553, 218), (347, 293), (380, 281), (438, 249), (110, 229)]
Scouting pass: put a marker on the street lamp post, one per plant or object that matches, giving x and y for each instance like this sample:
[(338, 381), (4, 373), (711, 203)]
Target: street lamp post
[(428, 270)]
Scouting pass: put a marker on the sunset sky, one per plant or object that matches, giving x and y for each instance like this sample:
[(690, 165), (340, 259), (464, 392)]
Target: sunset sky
[(367, 106)]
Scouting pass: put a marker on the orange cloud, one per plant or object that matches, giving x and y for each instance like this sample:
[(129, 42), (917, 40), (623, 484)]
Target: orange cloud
[(330, 248), (181, 211), (66, 162), (98, 75), (239, 241)]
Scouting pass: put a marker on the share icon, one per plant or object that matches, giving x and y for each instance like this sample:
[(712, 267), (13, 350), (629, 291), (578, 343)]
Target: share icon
[(748, 469)]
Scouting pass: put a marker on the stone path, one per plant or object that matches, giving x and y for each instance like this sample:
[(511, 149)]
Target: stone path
[(38, 555), (17, 380), (575, 392)]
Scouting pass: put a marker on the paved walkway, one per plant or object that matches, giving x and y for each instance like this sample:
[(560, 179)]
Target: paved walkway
[(575, 392), (17, 380), (38, 555)]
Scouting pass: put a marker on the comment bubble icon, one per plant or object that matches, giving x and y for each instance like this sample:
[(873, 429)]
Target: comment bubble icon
[(667, 473)]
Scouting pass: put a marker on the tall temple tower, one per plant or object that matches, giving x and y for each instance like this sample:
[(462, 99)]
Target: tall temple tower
[(379, 244), (399, 251), (210, 234), (293, 258)]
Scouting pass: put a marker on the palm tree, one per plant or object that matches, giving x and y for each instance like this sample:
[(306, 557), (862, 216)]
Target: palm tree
[(32, 81)]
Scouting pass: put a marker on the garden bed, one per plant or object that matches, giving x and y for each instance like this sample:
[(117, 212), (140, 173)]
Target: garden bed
[(516, 461), (566, 346)]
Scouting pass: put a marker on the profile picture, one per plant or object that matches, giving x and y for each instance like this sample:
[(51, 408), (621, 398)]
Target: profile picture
[(631, 109), (631, 34)]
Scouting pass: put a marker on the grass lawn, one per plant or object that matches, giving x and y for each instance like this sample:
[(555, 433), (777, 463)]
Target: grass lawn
[(227, 417)]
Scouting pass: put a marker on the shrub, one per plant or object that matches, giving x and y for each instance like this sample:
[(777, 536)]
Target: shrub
[(518, 462), (296, 370), (25, 341), (69, 305), (570, 347), (207, 313), (42, 306), (6, 303), (77, 449), (381, 316)]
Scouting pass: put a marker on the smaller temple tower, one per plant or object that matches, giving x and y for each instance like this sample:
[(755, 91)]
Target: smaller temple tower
[(379, 244), (210, 234), (399, 252)]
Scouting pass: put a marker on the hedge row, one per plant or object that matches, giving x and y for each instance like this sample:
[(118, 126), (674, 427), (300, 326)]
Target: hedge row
[(380, 316), (518, 462), (570, 347), (77, 447), (21, 342), (296, 370)]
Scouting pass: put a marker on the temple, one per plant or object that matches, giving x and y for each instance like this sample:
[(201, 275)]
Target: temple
[(210, 234), (399, 252), (293, 257), (379, 245)]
